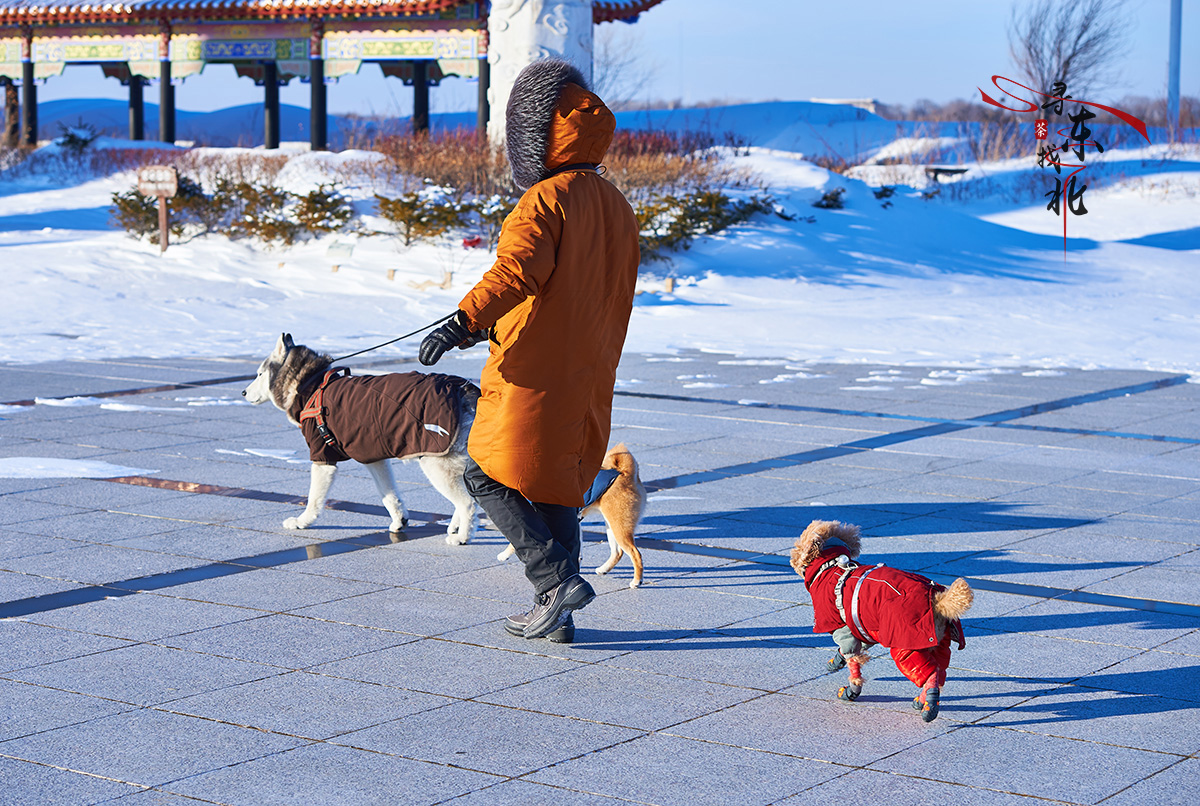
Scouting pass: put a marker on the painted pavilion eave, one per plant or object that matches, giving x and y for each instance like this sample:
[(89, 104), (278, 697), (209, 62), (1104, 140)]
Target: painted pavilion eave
[(26, 13), (609, 11), (23, 12)]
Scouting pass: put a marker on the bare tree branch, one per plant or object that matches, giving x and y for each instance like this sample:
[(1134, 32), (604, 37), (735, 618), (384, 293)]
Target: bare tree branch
[(620, 69), (1079, 43)]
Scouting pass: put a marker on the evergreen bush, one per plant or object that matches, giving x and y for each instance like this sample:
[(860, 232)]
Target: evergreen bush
[(423, 215), (671, 223)]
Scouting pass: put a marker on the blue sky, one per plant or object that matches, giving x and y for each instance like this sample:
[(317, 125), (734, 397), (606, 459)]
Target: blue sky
[(696, 51)]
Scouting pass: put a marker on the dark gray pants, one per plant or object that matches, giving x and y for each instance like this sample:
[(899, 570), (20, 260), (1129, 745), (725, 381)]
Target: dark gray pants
[(546, 536)]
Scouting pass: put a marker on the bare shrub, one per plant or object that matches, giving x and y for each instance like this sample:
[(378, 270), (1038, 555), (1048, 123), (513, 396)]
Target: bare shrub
[(209, 166), (647, 163), (69, 166), (993, 142), (460, 159)]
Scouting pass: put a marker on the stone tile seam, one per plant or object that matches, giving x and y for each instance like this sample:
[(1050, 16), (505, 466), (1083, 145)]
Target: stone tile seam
[(182, 385), (989, 419), (1138, 651), (1151, 775), (758, 694), (994, 419), (887, 439), (643, 732), (84, 773), (306, 741)]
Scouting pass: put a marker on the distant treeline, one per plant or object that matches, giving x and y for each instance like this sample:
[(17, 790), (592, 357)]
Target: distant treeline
[(1153, 111)]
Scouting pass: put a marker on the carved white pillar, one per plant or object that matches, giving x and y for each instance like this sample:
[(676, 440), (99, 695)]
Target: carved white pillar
[(522, 31)]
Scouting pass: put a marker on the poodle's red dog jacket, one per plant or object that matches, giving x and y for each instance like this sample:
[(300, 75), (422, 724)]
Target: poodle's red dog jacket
[(374, 417), (880, 605)]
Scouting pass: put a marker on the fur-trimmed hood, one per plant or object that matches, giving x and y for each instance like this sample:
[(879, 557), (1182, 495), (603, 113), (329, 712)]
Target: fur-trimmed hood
[(552, 121)]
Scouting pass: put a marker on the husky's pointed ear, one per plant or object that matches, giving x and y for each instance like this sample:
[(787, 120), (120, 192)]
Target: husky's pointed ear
[(282, 346)]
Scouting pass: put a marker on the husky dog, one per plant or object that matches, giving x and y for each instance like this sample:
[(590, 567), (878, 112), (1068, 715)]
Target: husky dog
[(619, 496), (370, 419)]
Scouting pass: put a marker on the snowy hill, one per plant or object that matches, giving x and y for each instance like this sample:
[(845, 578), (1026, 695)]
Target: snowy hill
[(975, 276), (812, 128), (235, 126)]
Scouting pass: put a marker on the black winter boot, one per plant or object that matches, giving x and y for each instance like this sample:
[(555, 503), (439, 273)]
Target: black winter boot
[(552, 608), (515, 625)]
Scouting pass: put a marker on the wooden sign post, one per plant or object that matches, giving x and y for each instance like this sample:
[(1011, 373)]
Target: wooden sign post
[(161, 181)]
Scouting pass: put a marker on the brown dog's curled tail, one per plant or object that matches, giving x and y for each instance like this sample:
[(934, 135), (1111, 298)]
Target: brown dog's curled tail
[(954, 602)]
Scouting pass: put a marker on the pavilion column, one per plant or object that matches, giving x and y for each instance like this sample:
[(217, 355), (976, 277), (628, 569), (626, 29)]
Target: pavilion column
[(521, 33), (420, 117), (166, 90), (482, 108), (29, 121), (12, 115), (137, 108), (317, 119), (481, 120), (271, 104)]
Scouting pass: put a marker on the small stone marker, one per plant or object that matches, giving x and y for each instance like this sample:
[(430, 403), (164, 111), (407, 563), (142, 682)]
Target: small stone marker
[(161, 181)]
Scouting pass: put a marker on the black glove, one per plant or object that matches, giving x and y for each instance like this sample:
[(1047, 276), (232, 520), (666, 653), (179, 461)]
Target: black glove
[(454, 333)]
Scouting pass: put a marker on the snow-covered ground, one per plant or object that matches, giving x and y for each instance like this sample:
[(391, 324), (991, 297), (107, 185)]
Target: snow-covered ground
[(976, 277)]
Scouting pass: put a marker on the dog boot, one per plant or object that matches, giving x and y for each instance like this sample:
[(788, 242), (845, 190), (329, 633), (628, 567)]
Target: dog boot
[(836, 663), (849, 692), (928, 701)]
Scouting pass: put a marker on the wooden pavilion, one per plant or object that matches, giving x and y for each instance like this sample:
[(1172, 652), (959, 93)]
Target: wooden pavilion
[(270, 41)]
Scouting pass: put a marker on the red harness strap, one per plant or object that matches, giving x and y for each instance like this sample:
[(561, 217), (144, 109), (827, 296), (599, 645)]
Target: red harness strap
[(315, 410)]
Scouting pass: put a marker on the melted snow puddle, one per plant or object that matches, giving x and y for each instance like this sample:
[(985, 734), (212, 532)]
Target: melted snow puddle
[(267, 453), (108, 405), (755, 362), (952, 377), (67, 402), (31, 467), (642, 427), (138, 407), (885, 376), (214, 401), (876, 377), (793, 376)]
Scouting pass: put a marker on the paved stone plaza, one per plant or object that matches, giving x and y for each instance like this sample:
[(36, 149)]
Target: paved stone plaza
[(164, 640)]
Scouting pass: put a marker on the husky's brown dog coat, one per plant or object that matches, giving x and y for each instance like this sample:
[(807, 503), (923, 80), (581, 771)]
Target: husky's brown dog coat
[(372, 419)]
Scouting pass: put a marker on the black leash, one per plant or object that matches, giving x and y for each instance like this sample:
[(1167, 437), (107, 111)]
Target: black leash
[(398, 338)]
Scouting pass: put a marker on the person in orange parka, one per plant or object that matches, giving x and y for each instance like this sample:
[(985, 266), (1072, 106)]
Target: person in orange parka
[(555, 306)]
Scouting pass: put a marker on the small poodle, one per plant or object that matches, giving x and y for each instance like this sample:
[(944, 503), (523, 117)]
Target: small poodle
[(867, 605)]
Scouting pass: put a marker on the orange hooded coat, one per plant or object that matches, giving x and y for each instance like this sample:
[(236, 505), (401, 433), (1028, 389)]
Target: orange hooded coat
[(558, 300)]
